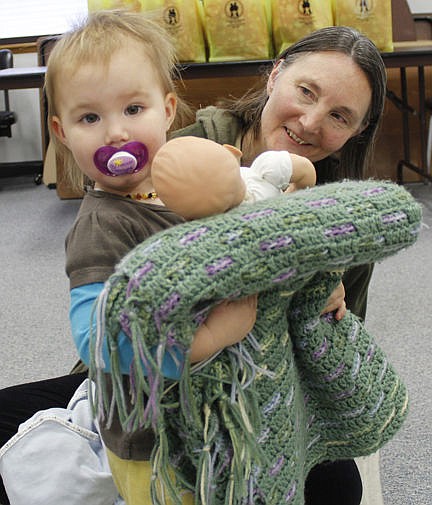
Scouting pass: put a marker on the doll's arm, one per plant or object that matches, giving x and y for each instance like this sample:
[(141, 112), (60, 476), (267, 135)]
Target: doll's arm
[(303, 173), (227, 324), (272, 172)]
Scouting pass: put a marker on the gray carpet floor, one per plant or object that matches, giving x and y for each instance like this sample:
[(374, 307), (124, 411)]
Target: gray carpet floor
[(35, 340)]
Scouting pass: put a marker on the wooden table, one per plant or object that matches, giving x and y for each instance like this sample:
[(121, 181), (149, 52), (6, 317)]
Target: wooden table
[(411, 54), (22, 78)]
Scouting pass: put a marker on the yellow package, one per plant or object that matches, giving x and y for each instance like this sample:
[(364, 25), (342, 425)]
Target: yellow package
[(182, 21), (371, 17), (100, 5), (292, 19), (237, 30)]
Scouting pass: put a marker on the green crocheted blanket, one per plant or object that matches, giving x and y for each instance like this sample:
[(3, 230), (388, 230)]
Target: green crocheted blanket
[(246, 426)]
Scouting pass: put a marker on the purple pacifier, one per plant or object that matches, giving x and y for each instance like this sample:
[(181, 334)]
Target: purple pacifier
[(128, 159)]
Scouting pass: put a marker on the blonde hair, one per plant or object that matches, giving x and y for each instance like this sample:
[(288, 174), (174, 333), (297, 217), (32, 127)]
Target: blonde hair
[(95, 40)]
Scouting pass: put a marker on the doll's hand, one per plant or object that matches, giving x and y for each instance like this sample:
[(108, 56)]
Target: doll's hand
[(336, 303), (303, 174), (227, 323)]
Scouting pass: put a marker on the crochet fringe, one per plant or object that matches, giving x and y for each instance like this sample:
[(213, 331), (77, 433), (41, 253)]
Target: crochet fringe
[(211, 421)]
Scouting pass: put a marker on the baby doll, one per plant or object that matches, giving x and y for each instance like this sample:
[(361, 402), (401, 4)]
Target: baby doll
[(196, 177)]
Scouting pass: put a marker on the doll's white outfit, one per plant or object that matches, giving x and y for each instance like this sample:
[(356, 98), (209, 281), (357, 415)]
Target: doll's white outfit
[(268, 176)]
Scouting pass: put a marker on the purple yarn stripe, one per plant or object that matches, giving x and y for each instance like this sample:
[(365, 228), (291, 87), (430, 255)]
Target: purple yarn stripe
[(125, 323), (319, 353), (279, 243), (167, 308), (221, 264), (258, 214), (194, 235), (373, 191), (343, 229), (335, 374), (285, 275), (291, 493), (322, 202), (277, 467), (395, 217), (134, 282)]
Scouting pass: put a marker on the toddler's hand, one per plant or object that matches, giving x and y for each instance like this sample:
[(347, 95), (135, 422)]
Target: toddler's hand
[(336, 303)]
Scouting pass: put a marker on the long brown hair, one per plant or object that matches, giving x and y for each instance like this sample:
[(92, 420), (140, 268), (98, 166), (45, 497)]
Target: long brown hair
[(354, 158)]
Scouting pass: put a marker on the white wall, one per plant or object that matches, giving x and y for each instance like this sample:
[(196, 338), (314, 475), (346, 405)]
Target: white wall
[(26, 141), (418, 6)]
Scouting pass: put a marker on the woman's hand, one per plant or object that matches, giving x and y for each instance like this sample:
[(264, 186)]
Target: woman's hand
[(227, 323), (336, 303)]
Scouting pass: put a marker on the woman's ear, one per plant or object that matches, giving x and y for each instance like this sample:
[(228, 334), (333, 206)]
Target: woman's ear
[(57, 129), (273, 76), (170, 109)]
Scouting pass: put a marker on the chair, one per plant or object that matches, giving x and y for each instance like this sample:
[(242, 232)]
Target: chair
[(7, 117)]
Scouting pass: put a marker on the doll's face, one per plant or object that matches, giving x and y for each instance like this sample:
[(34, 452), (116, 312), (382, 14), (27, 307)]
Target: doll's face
[(315, 105), (113, 105)]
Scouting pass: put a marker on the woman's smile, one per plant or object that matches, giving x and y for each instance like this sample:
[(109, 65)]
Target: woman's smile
[(294, 137)]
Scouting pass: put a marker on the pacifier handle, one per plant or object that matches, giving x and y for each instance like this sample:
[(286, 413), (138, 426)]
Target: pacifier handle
[(128, 159)]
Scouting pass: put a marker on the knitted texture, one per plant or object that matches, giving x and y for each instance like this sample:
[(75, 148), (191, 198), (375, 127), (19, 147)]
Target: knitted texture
[(247, 426)]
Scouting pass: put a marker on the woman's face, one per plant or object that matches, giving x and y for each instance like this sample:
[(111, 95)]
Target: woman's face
[(315, 105)]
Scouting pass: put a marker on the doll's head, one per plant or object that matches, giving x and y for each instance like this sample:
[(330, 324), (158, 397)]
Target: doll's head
[(197, 177)]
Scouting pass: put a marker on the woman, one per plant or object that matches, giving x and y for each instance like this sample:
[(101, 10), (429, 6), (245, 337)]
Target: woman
[(323, 99), (305, 110)]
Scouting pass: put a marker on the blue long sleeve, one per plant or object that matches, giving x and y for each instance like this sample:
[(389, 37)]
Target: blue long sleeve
[(80, 313)]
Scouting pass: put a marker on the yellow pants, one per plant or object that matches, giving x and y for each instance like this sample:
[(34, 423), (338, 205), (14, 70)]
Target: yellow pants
[(132, 479)]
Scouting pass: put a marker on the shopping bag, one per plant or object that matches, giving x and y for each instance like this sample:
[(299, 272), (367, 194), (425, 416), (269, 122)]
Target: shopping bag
[(100, 5), (182, 20), (292, 19), (237, 30), (371, 17)]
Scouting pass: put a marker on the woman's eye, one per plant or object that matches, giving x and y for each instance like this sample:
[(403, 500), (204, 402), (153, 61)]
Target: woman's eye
[(339, 118), (131, 110), (306, 92), (90, 118)]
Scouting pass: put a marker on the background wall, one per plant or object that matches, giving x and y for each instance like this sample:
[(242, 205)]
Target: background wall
[(419, 5)]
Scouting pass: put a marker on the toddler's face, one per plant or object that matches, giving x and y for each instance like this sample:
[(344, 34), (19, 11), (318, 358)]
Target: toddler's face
[(112, 105)]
